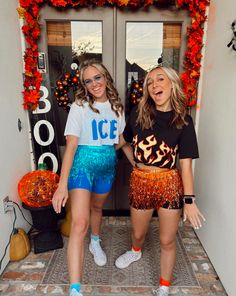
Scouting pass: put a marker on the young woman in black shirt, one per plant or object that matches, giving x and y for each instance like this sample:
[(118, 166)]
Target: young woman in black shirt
[(159, 130)]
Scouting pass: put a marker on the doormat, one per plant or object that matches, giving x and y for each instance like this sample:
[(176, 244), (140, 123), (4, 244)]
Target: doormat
[(115, 241)]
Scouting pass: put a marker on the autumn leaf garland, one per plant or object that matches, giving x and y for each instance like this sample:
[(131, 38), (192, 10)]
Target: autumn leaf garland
[(192, 61), (31, 29)]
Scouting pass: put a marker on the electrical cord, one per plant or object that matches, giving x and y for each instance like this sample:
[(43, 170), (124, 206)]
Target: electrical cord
[(13, 228), (32, 232), (15, 203)]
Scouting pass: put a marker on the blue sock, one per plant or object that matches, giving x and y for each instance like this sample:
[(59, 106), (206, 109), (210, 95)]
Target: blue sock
[(94, 237), (75, 286)]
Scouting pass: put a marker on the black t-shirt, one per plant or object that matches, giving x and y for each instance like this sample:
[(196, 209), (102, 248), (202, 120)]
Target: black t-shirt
[(159, 146)]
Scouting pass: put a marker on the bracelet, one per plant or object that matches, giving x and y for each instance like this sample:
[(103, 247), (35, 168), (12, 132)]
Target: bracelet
[(188, 195)]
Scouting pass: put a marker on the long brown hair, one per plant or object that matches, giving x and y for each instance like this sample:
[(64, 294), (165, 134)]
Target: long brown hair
[(147, 107), (82, 95)]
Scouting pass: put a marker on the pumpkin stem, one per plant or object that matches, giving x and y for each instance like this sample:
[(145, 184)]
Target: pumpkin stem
[(42, 166), (15, 231)]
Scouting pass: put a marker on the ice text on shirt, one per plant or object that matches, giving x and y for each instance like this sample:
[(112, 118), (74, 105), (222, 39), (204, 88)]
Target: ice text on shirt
[(144, 152), (104, 129)]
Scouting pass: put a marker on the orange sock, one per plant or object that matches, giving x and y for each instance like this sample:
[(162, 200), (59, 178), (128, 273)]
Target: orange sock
[(136, 249), (164, 282)]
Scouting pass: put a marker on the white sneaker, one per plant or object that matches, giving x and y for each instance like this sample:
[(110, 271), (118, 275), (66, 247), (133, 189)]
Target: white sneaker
[(163, 291), (99, 255), (74, 292), (127, 258)]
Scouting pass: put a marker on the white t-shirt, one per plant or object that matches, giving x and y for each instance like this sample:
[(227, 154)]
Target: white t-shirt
[(94, 129)]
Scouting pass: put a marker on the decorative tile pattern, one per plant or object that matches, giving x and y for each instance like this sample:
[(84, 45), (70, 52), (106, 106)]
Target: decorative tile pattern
[(17, 280), (116, 239)]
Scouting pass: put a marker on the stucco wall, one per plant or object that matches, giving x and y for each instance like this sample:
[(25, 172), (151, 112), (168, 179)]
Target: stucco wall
[(215, 170), (14, 147)]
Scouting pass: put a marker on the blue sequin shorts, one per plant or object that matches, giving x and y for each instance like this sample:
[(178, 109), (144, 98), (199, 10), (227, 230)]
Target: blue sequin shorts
[(93, 168)]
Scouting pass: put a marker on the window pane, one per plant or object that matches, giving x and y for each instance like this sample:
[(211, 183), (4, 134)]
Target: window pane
[(86, 40), (144, 46), (146, 43)]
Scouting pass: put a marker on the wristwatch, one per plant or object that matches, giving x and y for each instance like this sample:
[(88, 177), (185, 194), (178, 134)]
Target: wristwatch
[(189, 199)]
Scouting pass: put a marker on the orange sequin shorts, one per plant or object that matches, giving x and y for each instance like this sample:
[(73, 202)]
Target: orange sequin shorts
[(151, 189)]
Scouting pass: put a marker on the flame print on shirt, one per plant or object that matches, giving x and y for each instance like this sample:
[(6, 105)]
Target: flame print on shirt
[(146, 154)]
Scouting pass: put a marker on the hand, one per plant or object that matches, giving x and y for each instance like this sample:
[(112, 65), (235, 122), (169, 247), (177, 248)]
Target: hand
[(192, 213), (59, 199)]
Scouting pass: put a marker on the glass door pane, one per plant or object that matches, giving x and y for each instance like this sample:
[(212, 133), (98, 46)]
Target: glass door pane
[(144, 46), (144, 42), (86, 40), (147, 45)]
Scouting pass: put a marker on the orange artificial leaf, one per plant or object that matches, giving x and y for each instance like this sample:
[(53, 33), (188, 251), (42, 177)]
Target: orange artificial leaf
[(123, 2), (194, 74)]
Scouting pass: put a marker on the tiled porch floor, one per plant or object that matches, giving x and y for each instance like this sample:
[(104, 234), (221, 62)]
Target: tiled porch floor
[(24, 278)]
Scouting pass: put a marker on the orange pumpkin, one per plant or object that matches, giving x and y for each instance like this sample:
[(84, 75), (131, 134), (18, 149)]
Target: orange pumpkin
[(19, 245), (36, 188)]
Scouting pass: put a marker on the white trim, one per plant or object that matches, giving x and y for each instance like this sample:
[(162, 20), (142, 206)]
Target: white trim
[(199, 90)]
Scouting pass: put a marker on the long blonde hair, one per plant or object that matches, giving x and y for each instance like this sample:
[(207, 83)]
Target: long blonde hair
[(82, 95), (147, 107)]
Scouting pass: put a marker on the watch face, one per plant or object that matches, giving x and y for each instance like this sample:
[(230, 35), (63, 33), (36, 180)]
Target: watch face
[(188, 200)]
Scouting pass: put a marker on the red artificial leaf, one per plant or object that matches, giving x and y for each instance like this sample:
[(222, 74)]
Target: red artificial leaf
[(25, 29), (35, 10), (192, 103), (202, 6), (31, 96), (36, 33), (26, 3), (59, 3), (28, 17), (101, 3)]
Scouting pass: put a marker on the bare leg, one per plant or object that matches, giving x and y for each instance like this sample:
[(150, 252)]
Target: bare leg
[(97, 202), (80, 210), (168, 221), (140, 222)]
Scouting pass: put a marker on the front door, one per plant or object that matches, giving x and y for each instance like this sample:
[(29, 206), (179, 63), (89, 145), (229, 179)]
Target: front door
[(128, 43)]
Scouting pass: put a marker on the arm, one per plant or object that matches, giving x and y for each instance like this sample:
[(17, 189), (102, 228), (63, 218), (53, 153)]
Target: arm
[(127, 149), (191, 211), (61, 194), (121, 143)]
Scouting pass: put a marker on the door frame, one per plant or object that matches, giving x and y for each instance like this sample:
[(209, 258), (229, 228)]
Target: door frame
[(113, 25)]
